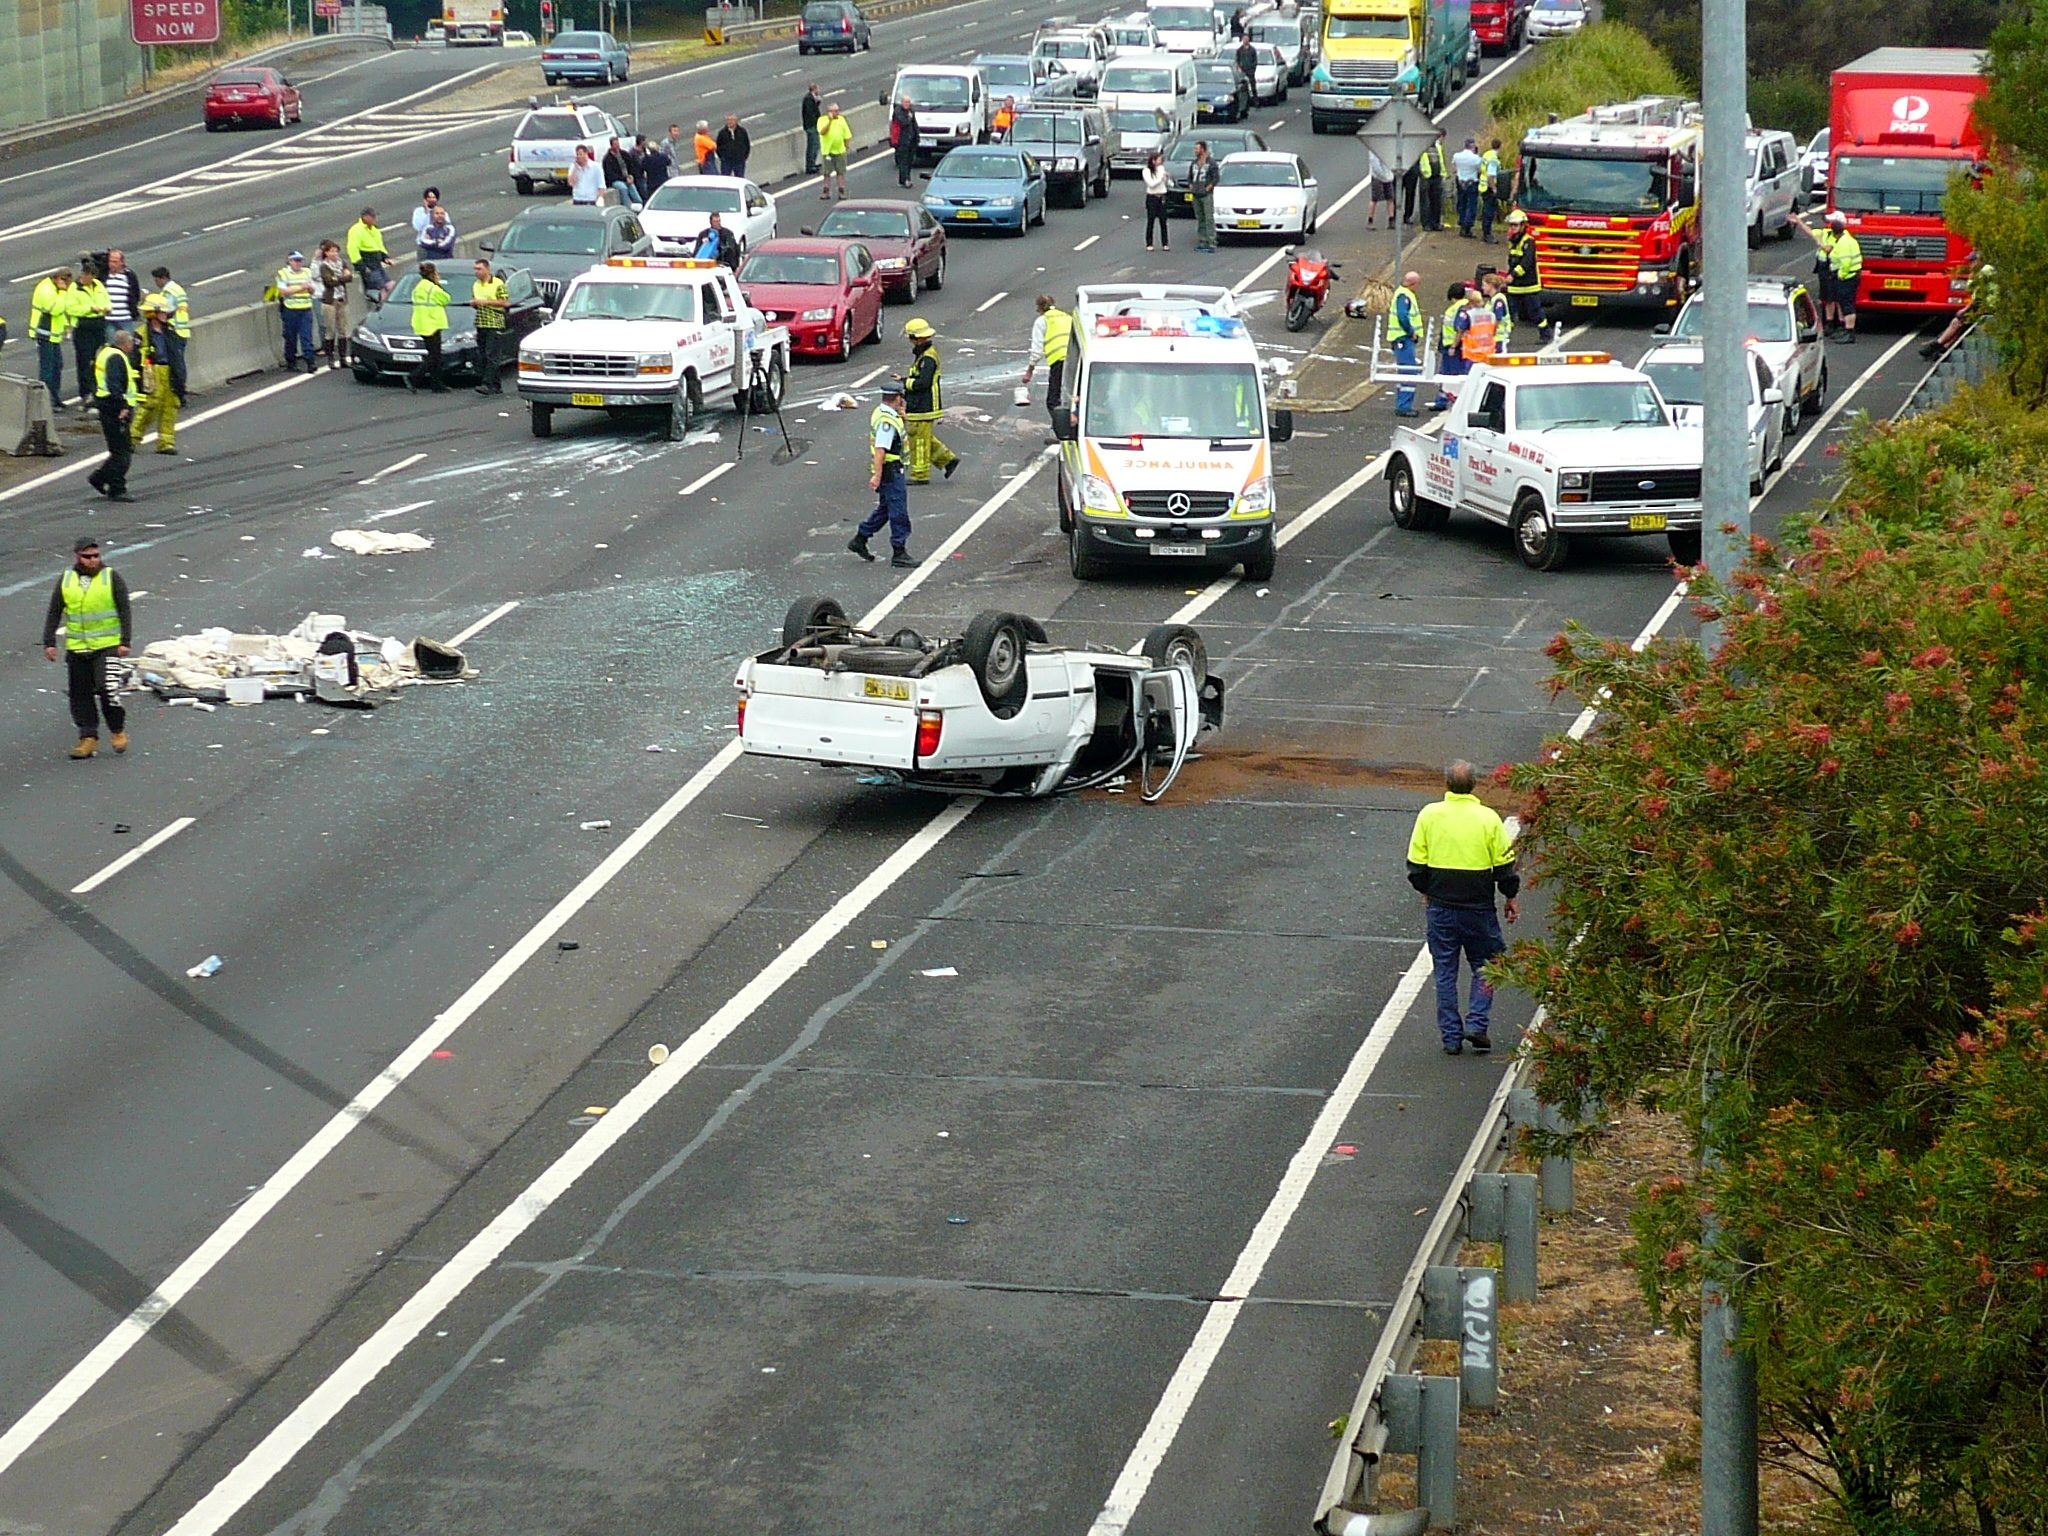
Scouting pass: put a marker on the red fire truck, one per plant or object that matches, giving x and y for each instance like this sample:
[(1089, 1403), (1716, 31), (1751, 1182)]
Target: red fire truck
[(1613, 199), (1902, 122)]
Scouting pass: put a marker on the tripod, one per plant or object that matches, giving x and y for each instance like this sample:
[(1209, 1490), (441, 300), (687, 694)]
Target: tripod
[(759, 387)]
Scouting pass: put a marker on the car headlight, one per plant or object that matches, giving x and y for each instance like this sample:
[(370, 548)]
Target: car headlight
[(463, 338), (1002, 202), (655, 362), (933, 200), (1256, 498), (892, 264), (816, 314), (1575, 480), (1066, 163), (1098, 495), (365, 337)]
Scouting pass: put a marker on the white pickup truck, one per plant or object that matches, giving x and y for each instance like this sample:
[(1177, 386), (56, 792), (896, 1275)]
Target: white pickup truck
[(653, 331), (998, 711), (1553, 447)]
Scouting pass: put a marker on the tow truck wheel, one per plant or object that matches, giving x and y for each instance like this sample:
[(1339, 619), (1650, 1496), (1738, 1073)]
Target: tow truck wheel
[(1409, 509), (682, 410), (1685, 547), (543, 420), (1177, 645), (767, 395), (994, 647), (1537, 540)]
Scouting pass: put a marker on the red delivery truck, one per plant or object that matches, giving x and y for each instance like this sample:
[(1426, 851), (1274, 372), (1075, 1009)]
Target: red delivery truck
[(1902, 120)]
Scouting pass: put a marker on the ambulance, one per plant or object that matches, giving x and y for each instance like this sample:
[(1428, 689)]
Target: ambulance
[(1166, 440)]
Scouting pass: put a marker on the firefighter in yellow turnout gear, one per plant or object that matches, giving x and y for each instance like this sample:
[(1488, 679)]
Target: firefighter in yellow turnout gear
[(156, 354), (923, 405)]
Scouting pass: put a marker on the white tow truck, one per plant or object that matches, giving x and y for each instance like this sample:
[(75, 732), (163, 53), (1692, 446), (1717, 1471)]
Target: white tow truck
[(641, 332), (997, 711), (1553, 447)]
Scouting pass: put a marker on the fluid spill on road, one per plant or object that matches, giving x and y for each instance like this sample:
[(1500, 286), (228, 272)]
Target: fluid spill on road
[(1247, 770)]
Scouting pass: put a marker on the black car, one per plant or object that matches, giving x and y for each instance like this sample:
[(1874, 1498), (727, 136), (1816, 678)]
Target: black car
[(1180, 158), (556, 244), (1221, 93), (384, 345), (1068, 142), (827, 26)]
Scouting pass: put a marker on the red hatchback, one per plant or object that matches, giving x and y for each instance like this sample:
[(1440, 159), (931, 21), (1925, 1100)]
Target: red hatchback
[(828, 292), (251, 96)]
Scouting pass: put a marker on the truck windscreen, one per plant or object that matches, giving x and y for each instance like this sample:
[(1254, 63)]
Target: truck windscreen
[(1576, 184), (1588, 403), (1339, 27), (1893, 183), (1174, 400)]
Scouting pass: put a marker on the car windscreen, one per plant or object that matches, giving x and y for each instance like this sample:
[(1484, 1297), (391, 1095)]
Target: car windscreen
[(1769, 320), (1046, 130), (1063, 48), (1219, 73), (1183, 18), (979, 165), (1678, 383), (1278, 34), (244, 77), (865, 224), (1006, 77), (1257, 173), (688, 196), (789, 267), (631, 301), (1588, 403), (1892, 183), (1138, 120), (554, 237), (1204, 400), (940, 93), (1127, 77), (457, 284), (549, 125), (1366, 26), (1586, 185)]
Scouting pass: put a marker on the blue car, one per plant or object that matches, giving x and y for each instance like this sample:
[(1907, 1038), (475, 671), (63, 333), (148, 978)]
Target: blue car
[(591, 58), (988, 184)]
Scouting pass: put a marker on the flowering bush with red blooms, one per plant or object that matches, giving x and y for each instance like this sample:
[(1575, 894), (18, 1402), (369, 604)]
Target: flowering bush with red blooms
[(1814, 862)]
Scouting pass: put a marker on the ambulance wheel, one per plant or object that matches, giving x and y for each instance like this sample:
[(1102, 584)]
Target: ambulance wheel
[(1259, 567), (994, 648), (1084, 565), (543, 420), (1537, 539)]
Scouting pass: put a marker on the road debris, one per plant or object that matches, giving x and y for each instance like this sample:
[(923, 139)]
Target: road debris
[(940, 970), (321, 655), (603, 824), (207, 967), (379, 541)]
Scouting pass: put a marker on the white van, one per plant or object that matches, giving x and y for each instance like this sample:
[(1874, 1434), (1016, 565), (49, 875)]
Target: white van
[(951, 102), (1774, 183), (1185, 26), (1149, 98)]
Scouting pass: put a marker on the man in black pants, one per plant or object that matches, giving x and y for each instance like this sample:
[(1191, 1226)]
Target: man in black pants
[(114, 394), (92, 603)]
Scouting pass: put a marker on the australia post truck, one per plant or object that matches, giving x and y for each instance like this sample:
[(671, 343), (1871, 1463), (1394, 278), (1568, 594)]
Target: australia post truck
[(1901, 123), (1376, 49)]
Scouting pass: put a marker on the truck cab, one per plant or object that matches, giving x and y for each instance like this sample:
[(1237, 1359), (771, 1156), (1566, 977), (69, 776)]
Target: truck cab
[(1553, 447), (1373, 50), (1500, 24)]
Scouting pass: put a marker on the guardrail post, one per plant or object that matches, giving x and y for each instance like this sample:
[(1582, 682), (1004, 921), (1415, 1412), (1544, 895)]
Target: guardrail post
[(1501, 1208), (1421, 1418), (1526, 1110), (1464, 1304)]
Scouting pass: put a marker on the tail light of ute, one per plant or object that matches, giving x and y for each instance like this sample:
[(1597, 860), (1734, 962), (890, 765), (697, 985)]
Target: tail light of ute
[(741, 725), (929, 722)]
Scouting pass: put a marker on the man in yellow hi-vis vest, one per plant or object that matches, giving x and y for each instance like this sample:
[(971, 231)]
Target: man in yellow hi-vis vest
[(116, 393), (923, 405), (1458, 855), (1050, 334), (159, 407), (91, 602)]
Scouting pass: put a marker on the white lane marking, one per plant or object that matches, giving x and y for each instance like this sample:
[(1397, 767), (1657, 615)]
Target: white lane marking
[(868, 377), (851, 165), (992, 301), (388, 181), (1826, 419), (1276, 125), (452, 1279), (89, 460), (392, 469), (917, 37), (785, 74), (1088, 242), (65, 165), (148, 845), (705, 479), (222, 277), (207, 229), (483, 623), (716, 91), (410, 506), (944, 552), (1221, 1317)]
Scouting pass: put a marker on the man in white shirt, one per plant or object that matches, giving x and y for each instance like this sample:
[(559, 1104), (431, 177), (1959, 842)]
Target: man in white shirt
[(586, 179), (423, 215), (1465, 166)]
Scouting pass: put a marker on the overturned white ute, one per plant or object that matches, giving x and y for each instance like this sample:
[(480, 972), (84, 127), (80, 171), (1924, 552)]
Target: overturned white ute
[(998, 711)]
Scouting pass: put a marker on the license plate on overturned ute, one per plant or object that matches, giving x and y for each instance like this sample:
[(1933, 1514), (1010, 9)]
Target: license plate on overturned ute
[(884, 688)]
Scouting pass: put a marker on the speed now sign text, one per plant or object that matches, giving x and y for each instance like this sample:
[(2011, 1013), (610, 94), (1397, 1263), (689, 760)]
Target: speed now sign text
[(154, 23)]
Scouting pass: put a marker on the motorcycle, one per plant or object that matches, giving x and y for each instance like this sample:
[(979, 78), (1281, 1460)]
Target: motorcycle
[(1308, 284)]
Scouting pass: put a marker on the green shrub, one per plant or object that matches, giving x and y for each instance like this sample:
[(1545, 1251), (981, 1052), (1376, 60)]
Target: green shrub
[(1605, 62), (1920, 474), (1790, 100)]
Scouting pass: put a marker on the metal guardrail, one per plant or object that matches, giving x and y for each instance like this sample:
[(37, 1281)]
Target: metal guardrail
[(1972, 360)]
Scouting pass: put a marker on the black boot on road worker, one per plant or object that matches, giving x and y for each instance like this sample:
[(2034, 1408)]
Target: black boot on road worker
[(859, 546), (87, 746), (903, 559)]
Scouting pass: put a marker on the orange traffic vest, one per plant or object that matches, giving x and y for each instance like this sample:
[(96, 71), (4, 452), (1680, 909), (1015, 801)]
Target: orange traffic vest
[(1480, 326)]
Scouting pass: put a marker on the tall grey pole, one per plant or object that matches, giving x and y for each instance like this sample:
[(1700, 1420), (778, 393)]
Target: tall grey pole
[(1400, 170), (1728, 1417)]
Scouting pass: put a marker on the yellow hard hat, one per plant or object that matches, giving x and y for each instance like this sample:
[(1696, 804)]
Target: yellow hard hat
[(157, 303), (918, 330), (1518, 217)]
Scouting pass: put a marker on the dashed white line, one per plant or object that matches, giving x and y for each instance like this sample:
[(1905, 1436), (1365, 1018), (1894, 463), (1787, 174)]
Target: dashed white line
[(410, 506), (868, 377), (154, 841), (715, 91), (1276, 125), (221, 277), (705, 479), (992, 300), (392, 469), (1088, 242), (483, 623), (388, 181), (207, 229)]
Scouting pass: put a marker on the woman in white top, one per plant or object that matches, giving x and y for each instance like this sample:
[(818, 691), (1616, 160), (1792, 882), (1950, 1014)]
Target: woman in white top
[(1155, 200)]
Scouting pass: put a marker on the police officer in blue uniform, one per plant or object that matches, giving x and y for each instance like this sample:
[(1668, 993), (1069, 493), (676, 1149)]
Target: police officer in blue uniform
[(888, 444)]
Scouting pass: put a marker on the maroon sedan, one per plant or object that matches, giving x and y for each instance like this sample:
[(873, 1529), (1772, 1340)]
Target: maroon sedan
[(908, 244), (828, 292), (251, 96)]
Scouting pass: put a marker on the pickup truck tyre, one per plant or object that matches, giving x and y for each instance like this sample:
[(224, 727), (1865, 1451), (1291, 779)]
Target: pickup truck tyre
[(888, 660), (994, 647), (1685, 547), (1409, 509), (1084, 565), (523, 185), (1785, 229), (811, 616), (765, 397), (1756, 233), (543, 420), (1173, 645), (1537, 540)]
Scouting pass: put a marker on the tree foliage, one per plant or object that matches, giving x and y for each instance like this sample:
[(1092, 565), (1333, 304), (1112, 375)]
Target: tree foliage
[(1603, 62)]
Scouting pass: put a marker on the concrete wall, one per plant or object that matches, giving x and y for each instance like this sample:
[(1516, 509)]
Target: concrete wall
[(63, 56)]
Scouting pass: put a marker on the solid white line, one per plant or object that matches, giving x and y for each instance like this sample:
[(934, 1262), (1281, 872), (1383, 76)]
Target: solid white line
[(1121, 1506), (482, 624), (447, 1284), (992, 300), (410, 506), (292, 382), (392, 469), (1822, 422), (221, 277), (156, 840), (705, 479), (1088, 242), (872, 373)]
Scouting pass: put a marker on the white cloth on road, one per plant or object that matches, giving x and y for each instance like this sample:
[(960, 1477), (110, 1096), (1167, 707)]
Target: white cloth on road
[(377, 541)]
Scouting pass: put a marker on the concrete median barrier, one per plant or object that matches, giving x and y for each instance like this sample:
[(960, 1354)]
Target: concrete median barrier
[(25, 421)]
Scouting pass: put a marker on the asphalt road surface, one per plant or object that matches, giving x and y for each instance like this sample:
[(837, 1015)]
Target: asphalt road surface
[(1059, 1239)]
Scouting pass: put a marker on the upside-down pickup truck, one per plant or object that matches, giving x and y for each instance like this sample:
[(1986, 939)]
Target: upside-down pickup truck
[(1553, 447), (998, 711)]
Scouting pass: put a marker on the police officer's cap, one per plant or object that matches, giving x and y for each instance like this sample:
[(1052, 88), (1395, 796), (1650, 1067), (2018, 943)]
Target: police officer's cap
[(918, 329), (893, 390)]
